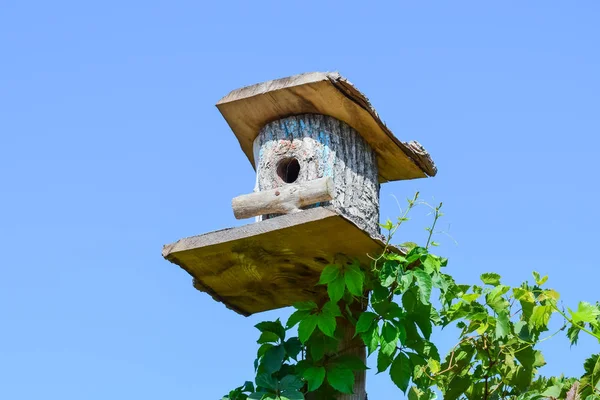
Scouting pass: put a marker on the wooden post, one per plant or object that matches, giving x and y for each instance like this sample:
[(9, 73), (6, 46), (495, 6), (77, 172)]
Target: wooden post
[(320, 151), (306, 147)]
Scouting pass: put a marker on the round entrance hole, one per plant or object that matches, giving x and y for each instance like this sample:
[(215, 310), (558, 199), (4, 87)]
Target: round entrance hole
[(288, 169)]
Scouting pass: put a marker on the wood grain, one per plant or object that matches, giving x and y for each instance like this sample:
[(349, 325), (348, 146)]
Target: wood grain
[(289, 198), (272, 263), (323, 147), (248, 109)]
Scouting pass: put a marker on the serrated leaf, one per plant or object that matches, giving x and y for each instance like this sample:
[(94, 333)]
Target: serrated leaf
[(434, 365), (425, 285), (349, 361), (273, 359), (290, 382), (400, 371), (296, 317), (293, 346), (389, 332), (272, 326), (383, 361), (408, 245), (585, 313), (502, 325), (470, 297), (257, 395), (307, 327), (335, 288), (326, 323), (539, 280), (341, 379), (314, 376), (371, 338), (490, 278), (305, 305), (540, 317), (291, 395), (523, 295), (365, 320), (267, 337), (329, 274), (354, 278)]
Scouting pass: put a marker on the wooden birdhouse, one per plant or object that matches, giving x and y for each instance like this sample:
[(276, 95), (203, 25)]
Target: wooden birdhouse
[(320, 152)]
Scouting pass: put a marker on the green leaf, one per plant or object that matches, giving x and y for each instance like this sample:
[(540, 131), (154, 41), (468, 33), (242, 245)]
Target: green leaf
[(401, 371), (539, 280), (314, 376), (540, 317), (305, 305), (434, 365), (329, 274), (296, 317), (490, 278), (331, 309), (383, 361), (456, 387), (371, 338), (293, 346), (306, 327), (523, 295), (388, 225), (585, 313), (266, 337), (408, 245), (341, 379), (291, 382), (273, 359), (425, 285), (291, 395), (354, 278), (365, 321), (335, 288), (389, 332), (326, 324), (257, 395), (430, 263), (502, 325), (349, 361), (272, 326)]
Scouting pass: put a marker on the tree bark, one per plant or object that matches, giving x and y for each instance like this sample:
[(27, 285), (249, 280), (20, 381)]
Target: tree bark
[(323, 147)]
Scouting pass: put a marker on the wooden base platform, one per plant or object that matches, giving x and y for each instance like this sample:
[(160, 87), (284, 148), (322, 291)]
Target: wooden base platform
[(273, 263)]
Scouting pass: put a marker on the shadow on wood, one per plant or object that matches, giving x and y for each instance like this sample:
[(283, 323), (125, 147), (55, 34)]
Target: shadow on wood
[(272, 263)]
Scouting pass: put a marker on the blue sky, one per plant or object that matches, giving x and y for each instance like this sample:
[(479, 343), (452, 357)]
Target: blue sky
[(111, 147)]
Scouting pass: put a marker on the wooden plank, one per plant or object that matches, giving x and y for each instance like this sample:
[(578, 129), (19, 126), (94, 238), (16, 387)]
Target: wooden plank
[(272, 263), (248, 109), (286, 199)]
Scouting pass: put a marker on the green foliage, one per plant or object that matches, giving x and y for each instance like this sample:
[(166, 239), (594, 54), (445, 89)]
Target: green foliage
[(405, 294)]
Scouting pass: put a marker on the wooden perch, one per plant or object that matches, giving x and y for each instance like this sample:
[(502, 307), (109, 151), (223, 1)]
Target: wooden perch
[(283, 200)]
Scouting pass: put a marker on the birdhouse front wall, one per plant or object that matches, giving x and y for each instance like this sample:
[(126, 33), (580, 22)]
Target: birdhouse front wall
[(305, 147)]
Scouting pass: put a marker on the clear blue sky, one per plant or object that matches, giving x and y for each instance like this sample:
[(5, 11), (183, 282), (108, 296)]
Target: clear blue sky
[(111, 147)]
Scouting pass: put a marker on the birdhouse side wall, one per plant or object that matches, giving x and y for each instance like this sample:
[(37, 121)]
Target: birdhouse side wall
[(305, 147)]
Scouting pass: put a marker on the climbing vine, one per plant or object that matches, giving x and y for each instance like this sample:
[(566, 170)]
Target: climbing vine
[(394, 305)]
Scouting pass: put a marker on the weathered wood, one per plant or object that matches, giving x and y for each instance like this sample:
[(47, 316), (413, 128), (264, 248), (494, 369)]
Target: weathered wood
[(272, 263), (248, 109), (322, 147), (290, 198)]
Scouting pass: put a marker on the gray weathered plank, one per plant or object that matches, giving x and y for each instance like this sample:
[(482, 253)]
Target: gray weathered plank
[(248, 109)]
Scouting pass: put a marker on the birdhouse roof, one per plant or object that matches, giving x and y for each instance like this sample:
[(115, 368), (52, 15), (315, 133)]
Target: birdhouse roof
[(248, 109)]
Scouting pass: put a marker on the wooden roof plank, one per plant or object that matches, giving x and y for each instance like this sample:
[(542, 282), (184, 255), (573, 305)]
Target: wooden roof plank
[(248, 109)]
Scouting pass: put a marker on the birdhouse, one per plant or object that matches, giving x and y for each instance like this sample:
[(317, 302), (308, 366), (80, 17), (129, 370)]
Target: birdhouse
[(320, 152)]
